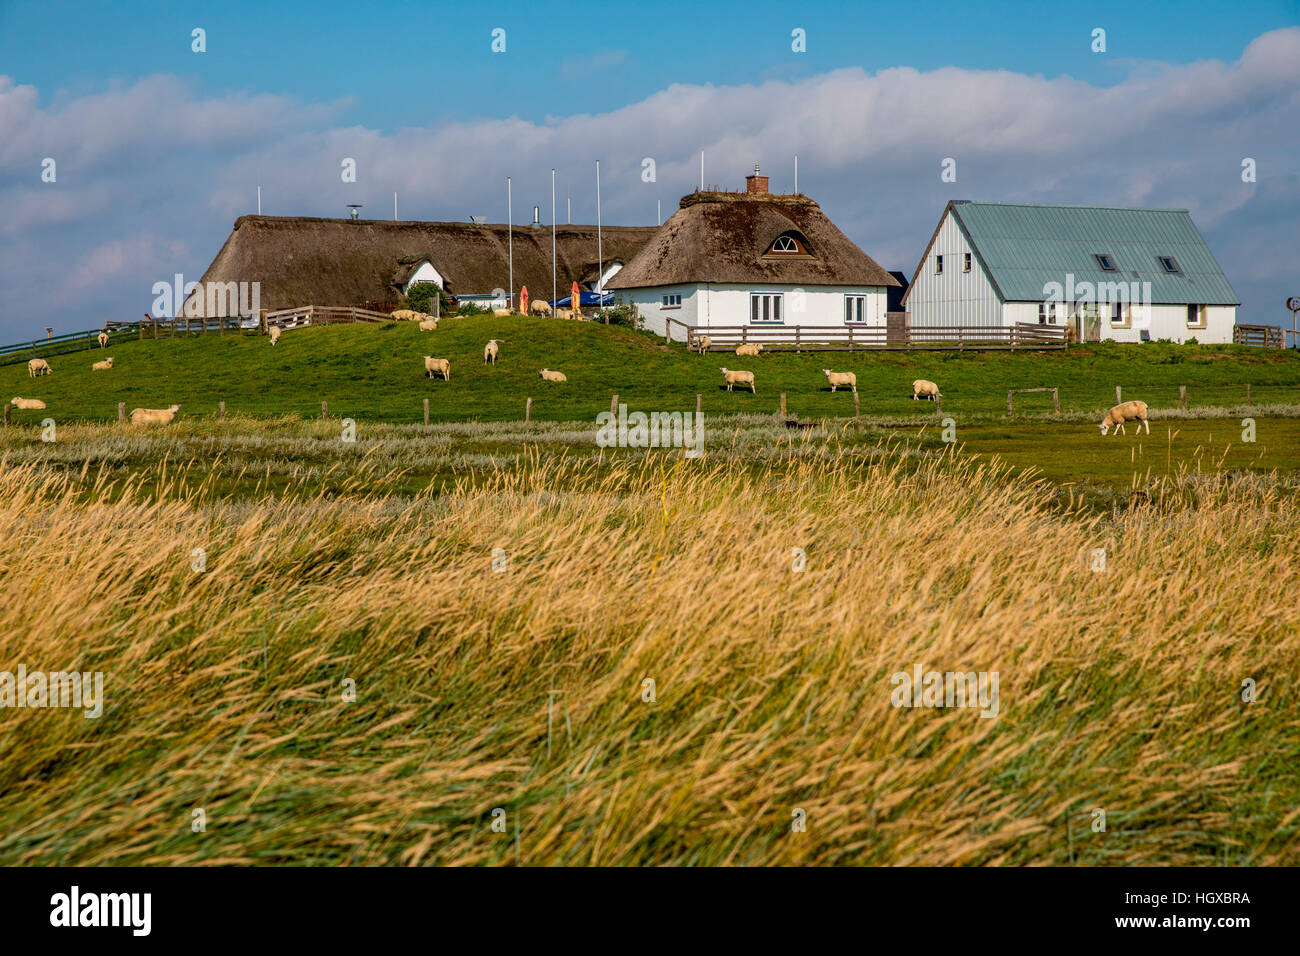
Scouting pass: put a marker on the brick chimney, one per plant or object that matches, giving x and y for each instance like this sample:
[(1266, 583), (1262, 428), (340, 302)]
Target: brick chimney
[(756, 185)]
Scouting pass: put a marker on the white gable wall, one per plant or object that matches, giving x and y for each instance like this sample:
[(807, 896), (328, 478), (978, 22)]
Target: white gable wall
[(425, 273), (956, 297)]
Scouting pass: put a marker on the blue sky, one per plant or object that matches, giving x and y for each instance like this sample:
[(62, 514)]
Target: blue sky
[(159, 149)]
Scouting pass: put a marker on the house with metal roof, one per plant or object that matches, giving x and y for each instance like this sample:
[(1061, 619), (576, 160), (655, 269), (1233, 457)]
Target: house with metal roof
[(1126, 274), (740, 261)]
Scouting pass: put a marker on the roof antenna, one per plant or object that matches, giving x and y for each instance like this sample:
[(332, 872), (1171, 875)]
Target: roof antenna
[(354, 206)]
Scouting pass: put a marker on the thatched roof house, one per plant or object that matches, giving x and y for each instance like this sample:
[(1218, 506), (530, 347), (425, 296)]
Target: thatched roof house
[(300, 260), (729, 259)]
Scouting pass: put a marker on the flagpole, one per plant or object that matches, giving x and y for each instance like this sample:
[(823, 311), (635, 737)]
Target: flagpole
[(554, 288), (600, 256)]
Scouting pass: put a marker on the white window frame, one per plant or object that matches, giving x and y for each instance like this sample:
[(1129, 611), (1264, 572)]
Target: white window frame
[(1121, 315), (1048, 312), (1202, 316), (965, 261), (671, 300), (938, 264), (772, 302), (855, 301)]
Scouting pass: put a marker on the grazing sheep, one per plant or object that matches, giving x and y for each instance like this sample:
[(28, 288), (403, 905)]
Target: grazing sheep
[(550, 376), (500, 313), (703, 344), (490, 353), (752, 349), (153, 416), (38, 367), (404, 314), (275, 334), (928, 389), (28, 403), (564, 313), (103, 366), (433, 366), (738, 378), (1125, 412), (539, 307), (429, 325), (841, 378), (103, 340)]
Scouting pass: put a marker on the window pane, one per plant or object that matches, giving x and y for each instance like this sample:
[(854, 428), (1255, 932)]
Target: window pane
[(776, 308), (753, 308)]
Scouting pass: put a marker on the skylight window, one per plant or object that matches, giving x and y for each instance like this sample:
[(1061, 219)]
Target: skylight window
[(1169, 264), (1105, 263)]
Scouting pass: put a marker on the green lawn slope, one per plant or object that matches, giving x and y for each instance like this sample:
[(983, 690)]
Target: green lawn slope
[(375, 373)]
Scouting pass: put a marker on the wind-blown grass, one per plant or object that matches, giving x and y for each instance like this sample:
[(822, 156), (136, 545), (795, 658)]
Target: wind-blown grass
[(523, 689)]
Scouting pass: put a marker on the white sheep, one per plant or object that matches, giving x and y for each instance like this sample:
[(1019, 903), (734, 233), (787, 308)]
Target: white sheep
[(437, 366), (103, 366), (153, 416), (550, 376), (28, 403), (703, 344), (928, 389), (38, 367), (539, 307), (490, 352), (103, 340), (275, 334), (841, 378), (752, 349), (501, 313), (738, 378), (404, 314), (1125, 412), (564, 313), (429, 325)]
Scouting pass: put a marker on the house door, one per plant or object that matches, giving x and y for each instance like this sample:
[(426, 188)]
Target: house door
[(1088, 327)]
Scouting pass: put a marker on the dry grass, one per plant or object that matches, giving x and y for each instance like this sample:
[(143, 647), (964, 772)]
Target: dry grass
[(523, 689)]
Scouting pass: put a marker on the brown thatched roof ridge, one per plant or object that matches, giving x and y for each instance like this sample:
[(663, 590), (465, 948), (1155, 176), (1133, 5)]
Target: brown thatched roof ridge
[(301, 260), (722, 237)]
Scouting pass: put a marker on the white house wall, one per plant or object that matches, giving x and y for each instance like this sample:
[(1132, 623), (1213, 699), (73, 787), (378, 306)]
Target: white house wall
[(956, 297), (713, 305), (425, 273)]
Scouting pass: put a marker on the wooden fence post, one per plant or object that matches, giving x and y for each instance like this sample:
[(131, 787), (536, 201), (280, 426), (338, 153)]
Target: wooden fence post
[(699, 399), (121, 411), (1008, 402), (783, 404), (857, 409), (426, 413), (7, 407), (613, 405), (1056, 401), (221, 411), (1118, 393), (1248, 391), (938, 404), (528, 410), (324, 410), (1182, 397)]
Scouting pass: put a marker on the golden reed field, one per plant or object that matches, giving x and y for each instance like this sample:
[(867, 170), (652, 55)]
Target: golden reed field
[(358, 676)]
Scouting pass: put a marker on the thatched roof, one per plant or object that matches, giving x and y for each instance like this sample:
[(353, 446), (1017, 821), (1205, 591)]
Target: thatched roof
[(341, 262), (723, 237)]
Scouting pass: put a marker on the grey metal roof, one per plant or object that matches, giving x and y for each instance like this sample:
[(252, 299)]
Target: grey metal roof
[(1024, 246)]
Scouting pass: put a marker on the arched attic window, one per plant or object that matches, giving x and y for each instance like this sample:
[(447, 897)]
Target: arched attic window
[(789, 244)]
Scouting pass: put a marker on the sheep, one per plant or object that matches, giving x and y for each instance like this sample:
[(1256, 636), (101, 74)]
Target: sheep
[(564, 313), (403, 314), (738, 378), (153, 416), (550, 376), (752, 349), (841, 378), (437, 366), (490, 352), (38, 367), (275, 334), (103, 340), (103, 366), (28, 403), (429, 325), (539, 307), (501, 313), (703, 344), (1125, 412), (922, 387)]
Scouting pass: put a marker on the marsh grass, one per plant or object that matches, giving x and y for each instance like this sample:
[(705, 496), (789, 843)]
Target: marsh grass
[(523, 689)]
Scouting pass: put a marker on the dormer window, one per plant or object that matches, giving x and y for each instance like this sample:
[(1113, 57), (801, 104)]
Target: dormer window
[(1105, 263), (788, 244)]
